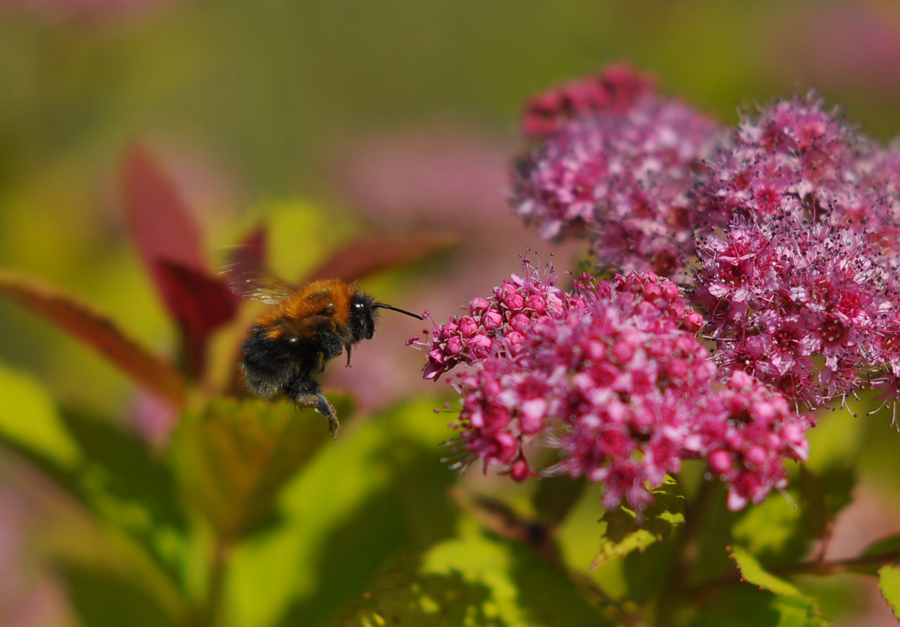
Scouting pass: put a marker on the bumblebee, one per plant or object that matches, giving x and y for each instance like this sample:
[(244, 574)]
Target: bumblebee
[(304, 329)]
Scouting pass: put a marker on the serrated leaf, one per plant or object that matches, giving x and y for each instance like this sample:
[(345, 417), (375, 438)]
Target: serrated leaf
[(29, 421), (627, 531), (627, 537), (31, 426), (234, 457), (889, 584), (112, 474), (753, 572), (119, 480), (747, 606), (99, 332), (369, 254)]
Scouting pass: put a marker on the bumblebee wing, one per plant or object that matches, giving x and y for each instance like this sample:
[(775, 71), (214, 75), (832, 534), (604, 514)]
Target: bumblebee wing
[(308, 317), (307, 327), (256, 283)]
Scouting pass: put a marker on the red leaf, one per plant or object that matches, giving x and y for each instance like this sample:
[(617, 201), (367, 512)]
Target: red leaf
[(160, 220), (373, 253), (100, 333), (199, 302)]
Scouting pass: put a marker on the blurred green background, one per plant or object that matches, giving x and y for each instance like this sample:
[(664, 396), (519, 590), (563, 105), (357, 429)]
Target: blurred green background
[(254, 108)]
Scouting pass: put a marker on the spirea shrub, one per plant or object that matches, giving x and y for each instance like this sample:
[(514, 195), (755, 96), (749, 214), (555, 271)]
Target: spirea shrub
[(781, 234)]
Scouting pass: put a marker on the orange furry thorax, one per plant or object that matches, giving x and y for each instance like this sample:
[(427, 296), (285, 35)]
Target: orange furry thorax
[(315, 305)]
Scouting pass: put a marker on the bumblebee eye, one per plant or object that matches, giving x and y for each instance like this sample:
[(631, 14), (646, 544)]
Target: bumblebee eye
[(293, 339)]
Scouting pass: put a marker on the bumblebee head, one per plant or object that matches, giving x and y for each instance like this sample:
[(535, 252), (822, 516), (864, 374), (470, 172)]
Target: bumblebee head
[(362, 316)]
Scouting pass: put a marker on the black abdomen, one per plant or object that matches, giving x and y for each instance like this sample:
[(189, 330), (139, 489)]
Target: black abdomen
[(272, 365)]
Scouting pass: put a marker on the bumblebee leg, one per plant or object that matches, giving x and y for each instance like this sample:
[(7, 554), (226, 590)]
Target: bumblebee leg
[(306, 392), (326, 409), (348, 355)]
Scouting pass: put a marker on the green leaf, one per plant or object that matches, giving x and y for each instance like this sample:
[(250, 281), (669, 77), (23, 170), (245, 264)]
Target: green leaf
[(121, 467), (29, 421), (628, 531), (774, 530), (124, 484), (102, 598), (753, 572), (823, 496), (233, 458), (404, 596), (746, 606), (473, 581), (377, 492), (110, 473), (889, 584)]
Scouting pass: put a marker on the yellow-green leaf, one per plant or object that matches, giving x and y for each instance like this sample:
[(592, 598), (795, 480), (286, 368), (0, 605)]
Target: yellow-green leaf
[(889, 584), (29, 419), (626, 531), (753, 572), (234, 457)]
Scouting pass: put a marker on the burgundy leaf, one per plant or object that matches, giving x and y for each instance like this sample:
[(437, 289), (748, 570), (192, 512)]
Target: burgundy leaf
[(99, 332), (160, 221), (199, 302)]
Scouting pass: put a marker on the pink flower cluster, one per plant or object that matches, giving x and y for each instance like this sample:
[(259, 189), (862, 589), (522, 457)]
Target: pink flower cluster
[(495, 326), (787, 233), (746, 435), (794, 160), (618, 88), (621, 176), (798, 283), (613, 378), (801, 306), (788, 228)]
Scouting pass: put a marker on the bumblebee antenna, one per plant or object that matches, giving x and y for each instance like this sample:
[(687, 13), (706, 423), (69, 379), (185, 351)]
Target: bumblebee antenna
[(403, 311)]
